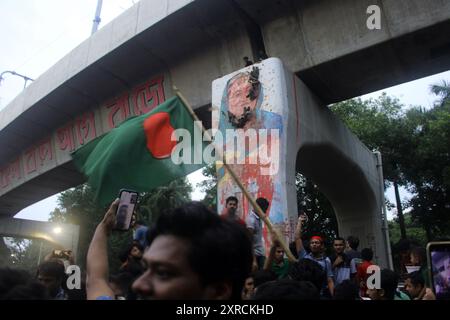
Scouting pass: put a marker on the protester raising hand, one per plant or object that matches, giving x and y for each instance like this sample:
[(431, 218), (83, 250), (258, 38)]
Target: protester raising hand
[(97, 285)]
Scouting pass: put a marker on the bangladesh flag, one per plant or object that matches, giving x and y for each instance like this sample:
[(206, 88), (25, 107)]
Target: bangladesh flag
[(137, 154)]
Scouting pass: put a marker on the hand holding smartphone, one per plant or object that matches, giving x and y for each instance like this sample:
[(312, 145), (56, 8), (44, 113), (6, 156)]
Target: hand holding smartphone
[(127, 203), (438, 254)]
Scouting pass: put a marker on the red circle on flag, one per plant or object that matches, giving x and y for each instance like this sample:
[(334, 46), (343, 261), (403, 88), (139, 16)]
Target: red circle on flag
[(158, 131)]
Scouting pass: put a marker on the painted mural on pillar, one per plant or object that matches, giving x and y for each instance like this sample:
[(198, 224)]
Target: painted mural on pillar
[(241, 102)]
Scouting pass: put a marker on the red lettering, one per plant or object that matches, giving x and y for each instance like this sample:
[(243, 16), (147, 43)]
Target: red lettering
[(85, 127), (3, 178), (10, 173), (121, 103), (30, 161), (64, 137), (148, 95), (45, 151)]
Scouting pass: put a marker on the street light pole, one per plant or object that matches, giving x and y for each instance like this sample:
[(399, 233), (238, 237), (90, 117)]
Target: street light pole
[(40, 253), (385, 226), (97, 18), (16, 74)]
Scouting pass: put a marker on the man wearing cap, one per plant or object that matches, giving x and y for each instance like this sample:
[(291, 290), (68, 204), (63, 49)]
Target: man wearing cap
[(316, 254)]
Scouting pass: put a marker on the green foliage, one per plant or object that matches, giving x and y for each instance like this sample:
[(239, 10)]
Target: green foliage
[(442, 90), (322, 220), (429, 173), (415, 146), (78, 206), (209, 186), (414, 231), (25, 253), (5, 254), (19, 253), (153, 203), (379, 124)]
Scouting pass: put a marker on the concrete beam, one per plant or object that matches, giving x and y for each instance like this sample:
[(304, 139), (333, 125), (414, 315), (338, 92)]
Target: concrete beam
[(205, 48), (66, 238), (191, 43), (328, 44)]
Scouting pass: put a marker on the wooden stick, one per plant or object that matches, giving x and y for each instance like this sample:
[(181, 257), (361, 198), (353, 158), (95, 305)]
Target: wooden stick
[(247, 194)]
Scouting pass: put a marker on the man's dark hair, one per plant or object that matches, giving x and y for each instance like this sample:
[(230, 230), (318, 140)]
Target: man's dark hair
[(52, 269), (421, 253), (123, 280), (416, 278), (339, 239), (231, 198), (20, 285), (346, 290), (308, 270), (262, 276), (389, 283), (140, 222), (263, 203), (367, 254), (287, 289), (219, 249), (353, 242), (123, 256)]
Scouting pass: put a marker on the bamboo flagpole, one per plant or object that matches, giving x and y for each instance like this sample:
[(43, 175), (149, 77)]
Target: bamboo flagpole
[(219, 155)]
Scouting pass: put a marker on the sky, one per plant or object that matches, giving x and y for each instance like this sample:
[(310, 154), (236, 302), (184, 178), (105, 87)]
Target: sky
[(35, 34)]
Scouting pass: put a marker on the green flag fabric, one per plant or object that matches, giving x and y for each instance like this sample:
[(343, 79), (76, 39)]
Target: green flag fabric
[(137, 154)]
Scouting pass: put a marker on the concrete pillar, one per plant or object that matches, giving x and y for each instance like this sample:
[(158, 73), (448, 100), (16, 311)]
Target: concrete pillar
[(306, 137)]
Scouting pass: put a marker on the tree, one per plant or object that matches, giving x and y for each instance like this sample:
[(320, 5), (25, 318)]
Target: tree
[(380, 124), (415, 145), (442, 90), (77, 206), (415, 231), (5, 254), (155, 202), (322, 219), (429, 173), (209, 186), (25, 253)]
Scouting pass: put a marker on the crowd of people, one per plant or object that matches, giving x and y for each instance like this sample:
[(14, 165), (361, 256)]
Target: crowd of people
[(194, 253)]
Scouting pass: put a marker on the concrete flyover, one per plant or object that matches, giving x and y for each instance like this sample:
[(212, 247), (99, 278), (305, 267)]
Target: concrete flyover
[(130, 65), (61, 235)]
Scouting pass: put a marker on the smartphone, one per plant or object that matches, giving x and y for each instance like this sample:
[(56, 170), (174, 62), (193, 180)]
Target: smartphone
[(438, 254), (127, 203)]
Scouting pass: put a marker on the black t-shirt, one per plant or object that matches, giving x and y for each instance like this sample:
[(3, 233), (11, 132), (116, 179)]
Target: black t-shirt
[(346, 262)]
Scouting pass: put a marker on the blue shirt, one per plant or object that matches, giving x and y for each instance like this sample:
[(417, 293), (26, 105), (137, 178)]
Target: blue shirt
[(342, 271), (324, 262), (141, 236), (60, 295)]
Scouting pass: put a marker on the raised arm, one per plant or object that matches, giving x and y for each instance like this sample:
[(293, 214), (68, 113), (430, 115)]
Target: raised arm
[(298, 234), (97, 283), (330, 285), (271, 257)]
